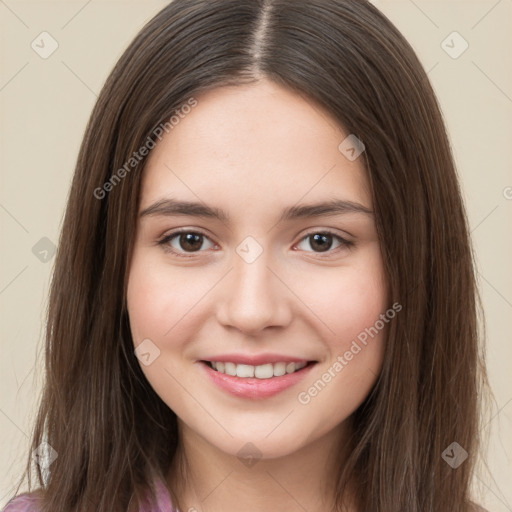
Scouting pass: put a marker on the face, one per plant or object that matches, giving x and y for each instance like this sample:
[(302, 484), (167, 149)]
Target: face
[(255, 316)]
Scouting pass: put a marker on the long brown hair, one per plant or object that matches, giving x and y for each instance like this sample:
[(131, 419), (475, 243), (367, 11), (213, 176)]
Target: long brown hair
[(110, 429)]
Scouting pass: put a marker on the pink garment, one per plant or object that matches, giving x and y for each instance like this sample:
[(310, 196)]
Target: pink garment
[(28, 502)]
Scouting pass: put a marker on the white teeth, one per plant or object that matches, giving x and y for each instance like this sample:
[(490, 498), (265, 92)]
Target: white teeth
[(279, 369), (230, 368), (244, 370), (263, 371)]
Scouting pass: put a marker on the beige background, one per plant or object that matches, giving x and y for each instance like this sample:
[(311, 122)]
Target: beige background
[(44, 107)]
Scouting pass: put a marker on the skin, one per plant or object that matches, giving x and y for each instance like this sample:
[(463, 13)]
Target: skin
[(253, 151)]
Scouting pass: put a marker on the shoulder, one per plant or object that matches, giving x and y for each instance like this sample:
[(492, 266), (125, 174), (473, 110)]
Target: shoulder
[(26, 502), (162, 495), (30, 502)]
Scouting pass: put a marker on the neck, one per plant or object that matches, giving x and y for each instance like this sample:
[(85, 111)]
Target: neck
[(204, 478)]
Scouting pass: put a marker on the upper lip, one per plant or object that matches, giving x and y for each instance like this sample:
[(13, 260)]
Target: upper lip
[(255, 359)]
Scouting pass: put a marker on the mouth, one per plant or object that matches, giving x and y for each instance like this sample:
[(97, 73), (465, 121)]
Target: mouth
[(262, 371), (256, 381)]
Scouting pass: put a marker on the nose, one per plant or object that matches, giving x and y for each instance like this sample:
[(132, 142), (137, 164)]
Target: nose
[(254, 296)]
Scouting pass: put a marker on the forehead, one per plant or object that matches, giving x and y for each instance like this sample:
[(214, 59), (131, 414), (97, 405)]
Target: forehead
[(260, 145)]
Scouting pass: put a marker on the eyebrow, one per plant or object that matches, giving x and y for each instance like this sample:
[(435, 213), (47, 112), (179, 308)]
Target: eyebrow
[(172, 207)]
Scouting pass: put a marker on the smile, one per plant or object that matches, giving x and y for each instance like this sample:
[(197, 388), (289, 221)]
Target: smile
[(263, 371), (257, 381)]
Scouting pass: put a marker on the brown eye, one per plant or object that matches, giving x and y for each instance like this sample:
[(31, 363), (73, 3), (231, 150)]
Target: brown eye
[(190, 242), (321, 242), (180, 242)]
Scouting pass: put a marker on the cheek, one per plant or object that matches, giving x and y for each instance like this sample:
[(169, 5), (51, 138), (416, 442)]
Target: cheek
[(355, 335), (160, 298), (158, 302), (355, 340), (147, 301), (350, 303)]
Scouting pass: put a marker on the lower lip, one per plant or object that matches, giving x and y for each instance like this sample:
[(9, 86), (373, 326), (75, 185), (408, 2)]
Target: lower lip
[(251, 387)]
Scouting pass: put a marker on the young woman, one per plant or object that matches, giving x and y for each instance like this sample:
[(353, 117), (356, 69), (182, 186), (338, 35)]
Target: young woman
[(264, 295)]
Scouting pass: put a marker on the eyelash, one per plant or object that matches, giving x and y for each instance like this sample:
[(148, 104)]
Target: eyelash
[(167, 238)]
